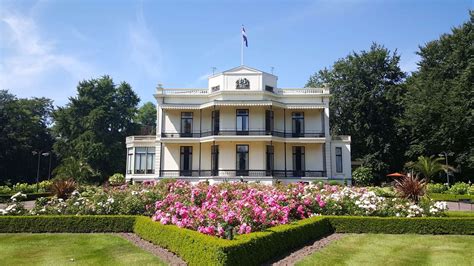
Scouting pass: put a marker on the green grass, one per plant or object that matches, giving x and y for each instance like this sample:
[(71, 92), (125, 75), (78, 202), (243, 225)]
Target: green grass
[(72, 249), (380, 249), (460, 213)]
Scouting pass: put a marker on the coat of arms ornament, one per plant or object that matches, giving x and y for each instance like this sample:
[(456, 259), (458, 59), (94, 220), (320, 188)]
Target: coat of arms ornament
[(242, 83)]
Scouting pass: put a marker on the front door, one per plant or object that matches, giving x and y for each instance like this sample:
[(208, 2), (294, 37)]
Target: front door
[(186, 161), (242, 163), (298, 161)]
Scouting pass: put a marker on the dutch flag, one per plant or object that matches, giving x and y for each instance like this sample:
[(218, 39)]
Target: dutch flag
[(244, 36)]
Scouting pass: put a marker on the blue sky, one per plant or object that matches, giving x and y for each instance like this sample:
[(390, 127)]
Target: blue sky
[(48, 46)]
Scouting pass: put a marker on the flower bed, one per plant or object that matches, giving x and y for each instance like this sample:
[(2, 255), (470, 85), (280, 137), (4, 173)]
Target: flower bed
[(229, 209)]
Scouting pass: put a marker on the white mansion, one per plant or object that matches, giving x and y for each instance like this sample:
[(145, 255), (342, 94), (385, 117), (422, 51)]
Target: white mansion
[(242, 127)]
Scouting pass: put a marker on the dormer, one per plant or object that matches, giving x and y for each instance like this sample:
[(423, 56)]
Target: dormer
[(243, 79)]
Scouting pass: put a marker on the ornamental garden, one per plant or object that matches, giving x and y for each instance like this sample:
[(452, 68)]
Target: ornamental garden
[(234, 222)]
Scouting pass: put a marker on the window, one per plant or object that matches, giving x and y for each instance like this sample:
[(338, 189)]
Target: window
[(338, 160), (129, 160), (269, 121), (242, 160), (270, 160), (214, 160), (215, 122), (298, 124), (298, 161), (186, 124), (242, 122), (215, 88), (269, 88), (186, 161), (144, 160)]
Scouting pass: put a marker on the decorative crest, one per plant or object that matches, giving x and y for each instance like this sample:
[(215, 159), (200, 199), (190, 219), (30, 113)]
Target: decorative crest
[(242, 83)]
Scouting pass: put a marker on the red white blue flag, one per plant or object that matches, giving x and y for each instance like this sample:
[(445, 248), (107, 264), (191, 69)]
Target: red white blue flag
[(244, 36)]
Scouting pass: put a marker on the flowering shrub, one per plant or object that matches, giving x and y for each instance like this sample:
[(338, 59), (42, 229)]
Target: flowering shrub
[(15, 207), (229, 209), (117, 179), (236, 208)]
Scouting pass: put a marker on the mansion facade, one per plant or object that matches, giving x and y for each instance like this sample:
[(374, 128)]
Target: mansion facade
[(242, 127)]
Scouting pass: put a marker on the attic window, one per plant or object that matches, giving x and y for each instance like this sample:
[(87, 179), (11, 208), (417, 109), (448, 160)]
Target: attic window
[(215, 88), (269, 88)]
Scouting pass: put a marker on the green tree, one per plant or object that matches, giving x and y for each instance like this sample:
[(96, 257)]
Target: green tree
[(146, 117), (439, 102), (93, 126), (24, 128), (366, 88), (428, 167)]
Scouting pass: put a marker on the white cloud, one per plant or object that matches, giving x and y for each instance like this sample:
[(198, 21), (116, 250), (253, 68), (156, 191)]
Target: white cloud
[(145, 48), (32, 61)]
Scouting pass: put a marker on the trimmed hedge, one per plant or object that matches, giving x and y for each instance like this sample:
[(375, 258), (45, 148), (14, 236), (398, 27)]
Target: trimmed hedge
[(250, 249), (393, 225), (450, 197), (66, 224)]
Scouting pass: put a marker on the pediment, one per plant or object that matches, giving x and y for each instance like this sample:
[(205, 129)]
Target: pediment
[(243, 70)]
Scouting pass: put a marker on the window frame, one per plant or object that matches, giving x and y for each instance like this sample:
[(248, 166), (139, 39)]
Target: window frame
[(245, 120), (186, 116), (339, 162), (242, 172)]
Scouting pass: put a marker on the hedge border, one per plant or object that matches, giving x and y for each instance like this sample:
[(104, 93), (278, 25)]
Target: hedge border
[(251, 249), (66, 224), (450, 197)]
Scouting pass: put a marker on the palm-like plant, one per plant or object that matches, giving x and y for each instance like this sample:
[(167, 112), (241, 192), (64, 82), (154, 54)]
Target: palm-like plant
[(411, 187), (428, 167)]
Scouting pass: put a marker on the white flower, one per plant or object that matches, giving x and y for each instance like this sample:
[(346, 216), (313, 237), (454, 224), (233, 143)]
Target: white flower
[(110, 200)]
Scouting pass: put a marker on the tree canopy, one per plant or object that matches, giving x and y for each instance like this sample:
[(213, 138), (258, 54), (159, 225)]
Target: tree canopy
[(93, 126), (24, 128), (146, 118), (366, 90), (439, 103)]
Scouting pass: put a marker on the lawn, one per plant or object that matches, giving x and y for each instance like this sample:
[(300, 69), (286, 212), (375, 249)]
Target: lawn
[(77, 249), (379, 249)]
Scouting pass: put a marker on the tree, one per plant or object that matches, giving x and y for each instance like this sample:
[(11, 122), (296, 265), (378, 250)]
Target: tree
[(93, 126), (428, 167), (146, 117), (439, 102), (366, 88), (24, 128)]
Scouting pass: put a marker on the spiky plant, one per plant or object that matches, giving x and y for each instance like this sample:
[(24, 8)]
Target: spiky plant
[(63, 188), (411, 187)]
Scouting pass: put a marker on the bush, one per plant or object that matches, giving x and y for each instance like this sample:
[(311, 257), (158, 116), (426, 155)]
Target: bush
[(63, 188), (363, 176), (66, 224), (43, 187), (393, 225), (117, 179), (251, 249), (459, 188), (410, 187), (436, 188), (387, 192), (450, 197)]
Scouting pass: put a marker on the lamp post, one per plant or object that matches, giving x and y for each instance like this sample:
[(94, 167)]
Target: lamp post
[(41, 153), (445, 155), (49, 169), (38, 168)]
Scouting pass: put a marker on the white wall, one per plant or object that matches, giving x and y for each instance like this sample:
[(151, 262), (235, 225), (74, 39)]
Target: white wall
[(346, 160)]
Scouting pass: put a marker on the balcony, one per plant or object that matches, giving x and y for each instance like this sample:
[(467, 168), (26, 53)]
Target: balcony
[(280, 174), (140, 139), (224, 132)]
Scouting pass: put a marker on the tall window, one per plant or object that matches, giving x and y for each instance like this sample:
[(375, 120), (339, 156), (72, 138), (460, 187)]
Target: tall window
[(186, 124), (129, 160), (242, 162), (338, 159), (186, 161), (270, 160), (242, 121), (145, 160), (298, 124), (269, 121), (215, 122), (298, 161), (214, 160)]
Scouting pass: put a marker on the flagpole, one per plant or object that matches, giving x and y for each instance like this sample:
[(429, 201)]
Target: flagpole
[(241, 48)]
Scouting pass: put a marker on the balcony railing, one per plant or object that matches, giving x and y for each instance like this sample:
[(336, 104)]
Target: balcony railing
[(307, 134), (243, 173)]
